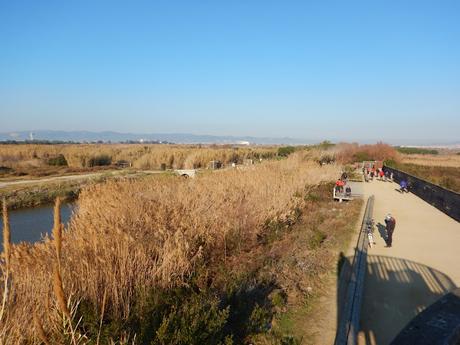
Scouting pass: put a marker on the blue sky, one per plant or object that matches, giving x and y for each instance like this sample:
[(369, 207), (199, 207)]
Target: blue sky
[(370, 70)]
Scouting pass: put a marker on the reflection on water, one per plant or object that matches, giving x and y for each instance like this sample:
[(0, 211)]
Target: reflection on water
[(30, 224)]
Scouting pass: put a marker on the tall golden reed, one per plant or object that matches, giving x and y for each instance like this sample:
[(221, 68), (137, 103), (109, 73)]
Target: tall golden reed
[(128, 236), (57, 230), (6, 256), (40, 331), (59, 291), (6, 235)]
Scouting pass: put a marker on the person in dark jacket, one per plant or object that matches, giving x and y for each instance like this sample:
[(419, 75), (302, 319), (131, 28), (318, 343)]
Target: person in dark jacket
[(390, 222), (404, 186)]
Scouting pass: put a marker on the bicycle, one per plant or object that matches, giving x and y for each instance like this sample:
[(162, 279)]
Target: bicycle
[(370, 231)]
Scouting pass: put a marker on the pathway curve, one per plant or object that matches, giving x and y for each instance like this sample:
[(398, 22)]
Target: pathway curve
[(422, 265)]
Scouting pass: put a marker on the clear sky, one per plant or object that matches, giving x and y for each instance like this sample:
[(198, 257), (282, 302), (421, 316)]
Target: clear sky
[(317, 70)]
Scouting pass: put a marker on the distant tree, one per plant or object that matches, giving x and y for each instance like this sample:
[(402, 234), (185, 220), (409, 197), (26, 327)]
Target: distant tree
[(59, 160), (325, 145), (416, 150), (100, 160), (285, 151)]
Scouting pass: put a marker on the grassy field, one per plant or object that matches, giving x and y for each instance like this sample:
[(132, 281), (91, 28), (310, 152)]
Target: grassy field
[(214, 260)]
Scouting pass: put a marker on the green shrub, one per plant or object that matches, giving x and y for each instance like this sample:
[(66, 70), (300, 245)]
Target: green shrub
[(390, 163), (325, 145), (285, 151), (100, 160), (278, 298), (58, 161), (317, 239), (416, 150), (260, 319), (196, 321)]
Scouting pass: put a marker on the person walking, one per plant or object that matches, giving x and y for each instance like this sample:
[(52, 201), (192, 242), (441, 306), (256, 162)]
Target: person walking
[(403, 186), (390, 223)]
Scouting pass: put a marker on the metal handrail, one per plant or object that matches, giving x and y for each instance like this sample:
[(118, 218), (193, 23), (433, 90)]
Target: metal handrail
[(348, 325)]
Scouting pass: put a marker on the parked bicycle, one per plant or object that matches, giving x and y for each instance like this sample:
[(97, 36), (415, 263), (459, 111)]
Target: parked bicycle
[(370, 231)]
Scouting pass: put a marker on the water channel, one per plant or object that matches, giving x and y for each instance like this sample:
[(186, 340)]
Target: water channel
[(30, 224)]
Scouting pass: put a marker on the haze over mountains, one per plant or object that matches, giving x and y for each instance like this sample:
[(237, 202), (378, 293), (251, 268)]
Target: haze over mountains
[(180, 138), (188, 138)]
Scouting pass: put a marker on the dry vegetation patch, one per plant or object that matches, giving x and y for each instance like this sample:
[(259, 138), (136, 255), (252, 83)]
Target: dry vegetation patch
[(447, 177), (178, 261), (441, 160), (45, 159)]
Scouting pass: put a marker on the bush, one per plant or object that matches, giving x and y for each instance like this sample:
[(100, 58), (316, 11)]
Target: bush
[(197, 321), (325, 145), (390, 163), (285, 151), (58, 161), (101, 160), (351, 153)]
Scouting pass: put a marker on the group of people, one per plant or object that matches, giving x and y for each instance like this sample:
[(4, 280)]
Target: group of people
[(379, 173), (341, 185)]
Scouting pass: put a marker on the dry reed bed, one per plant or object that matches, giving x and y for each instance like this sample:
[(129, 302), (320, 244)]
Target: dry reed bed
[(141, 156), (130, 236), (441, 160)]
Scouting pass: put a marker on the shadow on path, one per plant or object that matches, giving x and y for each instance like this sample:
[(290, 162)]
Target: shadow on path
[(382, 231), (395, 291)]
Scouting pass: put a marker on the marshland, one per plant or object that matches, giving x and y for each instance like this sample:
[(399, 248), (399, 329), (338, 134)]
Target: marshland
[(245, 255), (231, 257)]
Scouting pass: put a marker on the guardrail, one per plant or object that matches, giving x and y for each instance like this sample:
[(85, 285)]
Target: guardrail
[(443, 199), (351, 286)]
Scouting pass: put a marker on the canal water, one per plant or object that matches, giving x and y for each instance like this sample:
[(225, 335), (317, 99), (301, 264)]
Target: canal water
[(29, 225)]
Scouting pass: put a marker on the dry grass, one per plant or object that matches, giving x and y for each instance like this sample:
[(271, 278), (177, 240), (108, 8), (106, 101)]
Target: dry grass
[(444, 176), (349, 153), (131, 236), (28, 157), (441, 160)]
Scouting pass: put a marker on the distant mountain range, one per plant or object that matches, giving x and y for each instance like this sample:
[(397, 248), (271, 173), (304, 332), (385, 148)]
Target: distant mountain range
[(180, 138)]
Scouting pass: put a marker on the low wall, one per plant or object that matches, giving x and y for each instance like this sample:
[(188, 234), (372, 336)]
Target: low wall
[(443, 199)]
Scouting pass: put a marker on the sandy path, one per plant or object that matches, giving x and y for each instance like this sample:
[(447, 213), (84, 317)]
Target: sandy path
[(422, 265)]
